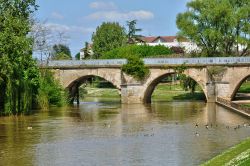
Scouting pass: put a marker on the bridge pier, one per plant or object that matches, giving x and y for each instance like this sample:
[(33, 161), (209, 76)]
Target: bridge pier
[(131, 94), (210, 92), (74, 93)]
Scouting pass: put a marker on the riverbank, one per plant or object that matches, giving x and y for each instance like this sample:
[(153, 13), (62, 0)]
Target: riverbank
[(237, 155), (166, 92)]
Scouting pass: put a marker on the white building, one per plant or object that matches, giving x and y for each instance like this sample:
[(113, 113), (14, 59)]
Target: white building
[(90, 52), (171, 41)]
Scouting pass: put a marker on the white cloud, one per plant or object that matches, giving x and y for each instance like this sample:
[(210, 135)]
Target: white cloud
[(116, 15), (57, 16), (65, 28), (103, 5)]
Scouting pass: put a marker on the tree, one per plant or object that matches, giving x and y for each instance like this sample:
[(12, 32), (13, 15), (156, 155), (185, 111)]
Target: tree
[(217, 26), (19, 74), (108, 36), (132, 36), (41, 36), (77, 56), (44, 38), (188, 83), (61, 52)]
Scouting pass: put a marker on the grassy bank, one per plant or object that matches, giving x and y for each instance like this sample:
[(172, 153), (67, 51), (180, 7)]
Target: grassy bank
[(245, 87), (101, 92), (237, 155), (166, 92)]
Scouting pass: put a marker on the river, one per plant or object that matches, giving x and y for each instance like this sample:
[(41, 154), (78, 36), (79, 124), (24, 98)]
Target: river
[(107, 133)]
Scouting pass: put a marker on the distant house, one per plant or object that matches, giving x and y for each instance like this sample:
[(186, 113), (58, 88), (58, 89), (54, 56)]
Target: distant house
[(170, 41), (89, 52)]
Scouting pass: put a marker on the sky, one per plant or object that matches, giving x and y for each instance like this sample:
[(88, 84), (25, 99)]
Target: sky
[(78, 19)]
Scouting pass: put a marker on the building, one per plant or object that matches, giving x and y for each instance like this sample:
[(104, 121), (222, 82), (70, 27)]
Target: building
[(171, 41), (90, 52)]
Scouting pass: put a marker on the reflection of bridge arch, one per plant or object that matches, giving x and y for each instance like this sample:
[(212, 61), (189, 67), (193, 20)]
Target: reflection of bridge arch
[(157, 75)]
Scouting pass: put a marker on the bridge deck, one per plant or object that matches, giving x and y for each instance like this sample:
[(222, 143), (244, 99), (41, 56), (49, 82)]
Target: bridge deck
[(150, 62)]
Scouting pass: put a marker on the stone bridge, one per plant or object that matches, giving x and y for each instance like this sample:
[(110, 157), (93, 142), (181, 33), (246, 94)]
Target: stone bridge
[(218, 77)]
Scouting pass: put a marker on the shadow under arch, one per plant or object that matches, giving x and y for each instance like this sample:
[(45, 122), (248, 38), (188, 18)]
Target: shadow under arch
[(237, 87), (73, 87), (151, 86)]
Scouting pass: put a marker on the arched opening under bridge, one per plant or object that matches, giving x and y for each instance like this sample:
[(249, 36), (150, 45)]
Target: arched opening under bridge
[(241, 93), (91, 86), (173, 87)]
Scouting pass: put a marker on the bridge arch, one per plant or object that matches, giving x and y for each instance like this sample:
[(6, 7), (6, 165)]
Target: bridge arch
[(85, 78), (236, 86), (157, 76), (69, 77)]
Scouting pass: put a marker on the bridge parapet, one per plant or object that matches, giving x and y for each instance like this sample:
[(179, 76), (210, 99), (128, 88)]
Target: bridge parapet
[(86, 63), (198, 61), (105, 63)]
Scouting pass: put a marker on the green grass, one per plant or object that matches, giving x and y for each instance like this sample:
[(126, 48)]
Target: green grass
[(237, 155), (245, 105), (101, 92), (175, 92), (165, 92), (245, 87)]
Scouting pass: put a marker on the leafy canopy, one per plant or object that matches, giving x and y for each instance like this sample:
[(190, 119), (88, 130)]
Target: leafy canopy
[(134, 54), (108, 36), (141, 51), (61, 52), (18, 71), (132, 32), (217, 26)]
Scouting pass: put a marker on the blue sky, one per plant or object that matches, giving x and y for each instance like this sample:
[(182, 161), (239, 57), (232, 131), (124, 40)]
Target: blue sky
[(78, 19)]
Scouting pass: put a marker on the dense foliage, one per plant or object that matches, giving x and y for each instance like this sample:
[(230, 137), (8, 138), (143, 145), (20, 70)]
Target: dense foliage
[(61, 52), (18, 71), (20, 78), (77, 56), (134, 55), (141, 51), (218, 27), (50, 92), (108, 36), (136, 68)]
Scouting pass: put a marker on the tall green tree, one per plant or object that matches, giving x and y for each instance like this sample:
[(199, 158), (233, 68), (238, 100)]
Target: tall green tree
[(61, 52), (108, 36), (19, 74), (218, 27), (132, 35)]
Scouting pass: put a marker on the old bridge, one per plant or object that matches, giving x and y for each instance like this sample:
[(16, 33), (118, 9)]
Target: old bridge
[(218, 77)]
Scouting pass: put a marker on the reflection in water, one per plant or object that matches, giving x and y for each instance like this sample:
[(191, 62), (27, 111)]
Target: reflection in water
[(109, 133)]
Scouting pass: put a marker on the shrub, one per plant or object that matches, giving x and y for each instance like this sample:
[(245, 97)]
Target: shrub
[(50, 92), (136, 68)]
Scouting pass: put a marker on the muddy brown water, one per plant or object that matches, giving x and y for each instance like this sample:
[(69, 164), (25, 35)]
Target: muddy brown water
[(105, 132)]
